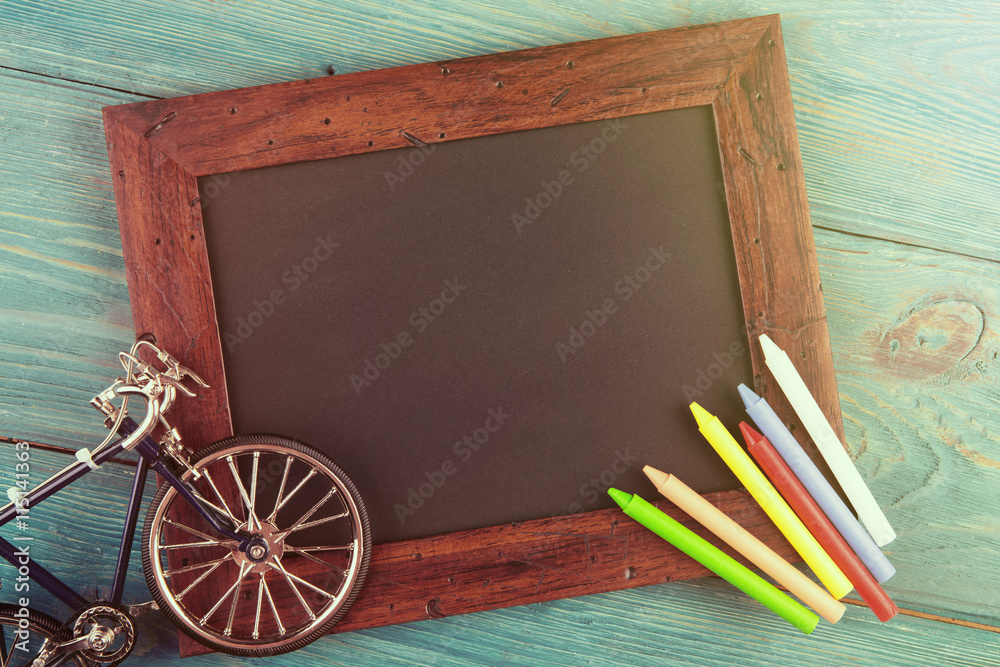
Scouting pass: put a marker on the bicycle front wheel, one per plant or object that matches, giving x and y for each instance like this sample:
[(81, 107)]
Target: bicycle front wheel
[(305, 567)]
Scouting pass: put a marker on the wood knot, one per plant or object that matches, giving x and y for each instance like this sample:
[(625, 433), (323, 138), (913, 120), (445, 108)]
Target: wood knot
[(931, 338)]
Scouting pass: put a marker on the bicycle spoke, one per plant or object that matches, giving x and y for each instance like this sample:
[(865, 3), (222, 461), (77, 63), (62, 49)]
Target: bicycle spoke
[(187, 545), (198, 533), (309, 556), (236, 599), (295, 490), (312, 524), (308, 514), (295, 589), (281, 490), (274, 609), (208, 503), (252, 520), (189, 568), (222, 500), (253, 486), (201, 578), (344, 547), (306, 583), (260, 600), (215, 607)]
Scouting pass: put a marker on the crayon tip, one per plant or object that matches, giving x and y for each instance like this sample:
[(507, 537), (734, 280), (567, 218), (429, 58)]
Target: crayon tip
[(750, 399), (657, 477), (770, 349), (750, 434), (620, 497), (701, 415)]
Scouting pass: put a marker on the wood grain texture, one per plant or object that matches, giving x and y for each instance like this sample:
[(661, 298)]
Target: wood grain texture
[(868, 78), (696, 622), (916, 344), (876, 86), (63, 304)]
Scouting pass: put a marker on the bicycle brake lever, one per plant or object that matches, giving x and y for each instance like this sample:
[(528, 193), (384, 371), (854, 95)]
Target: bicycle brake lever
[(178, 371), (185, 371), (166, 379)]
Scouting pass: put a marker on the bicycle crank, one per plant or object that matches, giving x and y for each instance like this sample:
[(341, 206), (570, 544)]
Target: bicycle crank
[(103, 634)]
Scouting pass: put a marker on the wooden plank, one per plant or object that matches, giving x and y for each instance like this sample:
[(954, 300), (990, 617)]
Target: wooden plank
[(698, 622), (895, 145), (63, 301), (916, 346)]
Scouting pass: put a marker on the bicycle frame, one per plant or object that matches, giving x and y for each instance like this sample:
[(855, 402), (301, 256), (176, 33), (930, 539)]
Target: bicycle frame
[(149, 453)]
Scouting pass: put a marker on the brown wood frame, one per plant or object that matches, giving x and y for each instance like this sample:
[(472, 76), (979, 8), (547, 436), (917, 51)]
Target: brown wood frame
[(159, 149)]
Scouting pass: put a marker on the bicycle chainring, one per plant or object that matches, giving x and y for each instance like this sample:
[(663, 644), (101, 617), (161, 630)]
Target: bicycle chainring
[(111, 633)]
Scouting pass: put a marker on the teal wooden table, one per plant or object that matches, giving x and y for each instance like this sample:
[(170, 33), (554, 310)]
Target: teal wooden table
[(896, 106)]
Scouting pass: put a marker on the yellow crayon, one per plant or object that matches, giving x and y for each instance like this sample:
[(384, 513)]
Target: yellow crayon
[(771, 502)]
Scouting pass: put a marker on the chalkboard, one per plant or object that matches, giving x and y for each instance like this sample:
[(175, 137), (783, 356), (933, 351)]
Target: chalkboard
[(493, 329), (495, 282)]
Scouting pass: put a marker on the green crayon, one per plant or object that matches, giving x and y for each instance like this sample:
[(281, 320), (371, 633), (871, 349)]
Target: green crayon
[(716, 560)]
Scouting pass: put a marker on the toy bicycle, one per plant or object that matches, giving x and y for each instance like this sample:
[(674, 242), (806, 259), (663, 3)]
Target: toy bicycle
[(255, 545)]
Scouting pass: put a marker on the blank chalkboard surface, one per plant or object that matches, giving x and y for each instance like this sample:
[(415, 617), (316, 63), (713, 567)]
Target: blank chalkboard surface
[(488, 288), (493, 329)]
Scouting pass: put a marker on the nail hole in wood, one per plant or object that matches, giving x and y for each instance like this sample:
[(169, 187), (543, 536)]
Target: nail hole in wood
[(270, 142), (326, 121), (330, 70), (445, 70), (570, 64), (781, 166), (156, 241), (499, 84), (371, 143), (441, 135), (232, 110)]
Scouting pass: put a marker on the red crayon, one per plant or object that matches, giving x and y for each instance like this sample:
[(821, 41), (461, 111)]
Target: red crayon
[(815, 520)]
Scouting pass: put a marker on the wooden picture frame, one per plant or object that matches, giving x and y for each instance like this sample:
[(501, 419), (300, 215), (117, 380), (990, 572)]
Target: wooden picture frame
[(158, 150)]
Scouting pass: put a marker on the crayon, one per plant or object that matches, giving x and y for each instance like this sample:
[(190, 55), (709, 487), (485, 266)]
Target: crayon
[(827, 442), (819, 488), (771, 502), (746, 544), (716, 560), (824, 532)]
